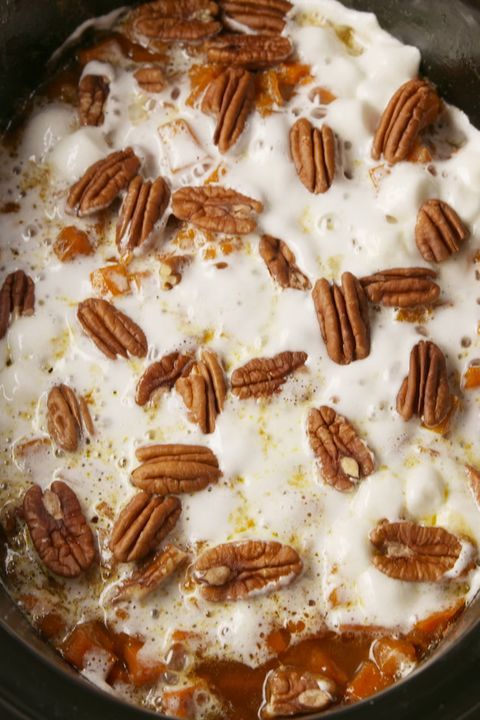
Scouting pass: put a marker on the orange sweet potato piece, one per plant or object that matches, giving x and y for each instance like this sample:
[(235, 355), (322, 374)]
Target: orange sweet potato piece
[(393, 656), (432, 628), (71, 242), (51, 625), (278, 640), (85, 638), (111, 280), (180, 703), (471, 379), (366, 682), (140, 673)]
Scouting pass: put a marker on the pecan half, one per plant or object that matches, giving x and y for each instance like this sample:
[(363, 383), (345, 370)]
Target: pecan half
[(67, 415), (414, 553), (92, 95), (230, 98), (203, 389), (186, 20), (186, 9), (262, 377), (313, 152), (216, 208), (402, 287), (266, 16), (142, 525), (175, 468), (344, 458), (343, 318), (290, 691), (281, 264), (474, 481), (425, 391), (236, 570), (413, 107), (17, 297), (161, 374), (153, 574), (439, 232), (253, 51), (102, 183), (59, 531), (143, 206), (172, 268), (113, 332), (151, 79)]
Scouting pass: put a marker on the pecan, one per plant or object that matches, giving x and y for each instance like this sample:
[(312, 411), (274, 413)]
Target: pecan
[(281, 264), (172, 268), (266, 16), (161, 374), (230, 98), (216, 208), (58, 529), (143, 206), (313, 152), (92, 95), (142, 525), (66, 417), (185, 9), (425, 392), (413, 107), (290, 691), (343, 318), (237, 570), (102, 182), (262, 377), (203, 389), (113, 332), (253, 51), (153, 574), (186, 20), (344, 458), (414, 553), (402, 287), (439, 232), (474, 481), (17, 297), (151, 79), (175, 469)]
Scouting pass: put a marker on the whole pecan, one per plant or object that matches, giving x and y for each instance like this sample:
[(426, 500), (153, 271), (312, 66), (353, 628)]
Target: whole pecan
[(102, 183), (175, 468), (216, 208), (474, 481), (161, 374), (290, 691), (266, 16), (236, 570), (113, 332), (142, 525), (203, 389), (143, 206), (313, 152), (230, 98), (92, 95), (150, 78), (262, 377), (186, 9), (402, 287), (413, 107), (253, 51), (425, 391), (151, 575), (439, 232), (167, 20), (281, 264), (414, 553), (66, 417), (343, 318), (59, 531), (17, 297), (344, 458)]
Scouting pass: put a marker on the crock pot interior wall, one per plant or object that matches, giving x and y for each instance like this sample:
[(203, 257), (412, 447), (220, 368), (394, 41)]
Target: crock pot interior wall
[(34, 682)]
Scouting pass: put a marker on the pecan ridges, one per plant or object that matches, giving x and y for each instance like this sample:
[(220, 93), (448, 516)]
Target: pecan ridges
[(143, 206), (344, 458), (290, 691), (281, 264), (185, 20), (402, 287), (266, 16), (102, 183), (17, 297), (92, 95), (230, 98), (186, 9), (203, 389), (313, 153), (173, 469), (262, 377), (253, 51), (151, 79), (413, 107), (439, 232), (113, 332), (161, 374), (67, 415), (152, 574), (216, 208), (142, 525), (425, 391), (343, 318)]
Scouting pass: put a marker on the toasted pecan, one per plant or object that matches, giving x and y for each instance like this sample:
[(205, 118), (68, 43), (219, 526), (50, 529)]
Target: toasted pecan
[(439, 232), (313, 152), (67, 417), (161, 374), (151, 575), (265, 16), (402, 287), (175, 468), (203, 390), (17, 297), (229, 97), (281, 264), (143, 206), (150, 78), (292, 691), (252, 51), (262, 377), (113, 332), (93, 92), (216, 208)]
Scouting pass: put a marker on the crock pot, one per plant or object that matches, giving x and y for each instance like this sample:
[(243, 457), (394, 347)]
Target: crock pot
[(35, 684)]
